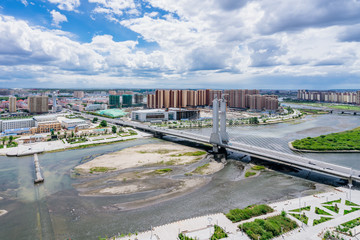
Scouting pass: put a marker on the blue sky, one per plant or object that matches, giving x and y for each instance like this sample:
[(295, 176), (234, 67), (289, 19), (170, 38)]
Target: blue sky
[(273, 44)]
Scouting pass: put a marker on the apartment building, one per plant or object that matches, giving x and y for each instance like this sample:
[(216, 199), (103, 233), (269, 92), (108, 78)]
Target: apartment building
[(236, 98), (12, 104), (79, 94), (329, 96), (38, 104)]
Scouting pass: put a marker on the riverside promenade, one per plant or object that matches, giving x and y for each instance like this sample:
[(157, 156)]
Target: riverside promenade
[(202, 227)]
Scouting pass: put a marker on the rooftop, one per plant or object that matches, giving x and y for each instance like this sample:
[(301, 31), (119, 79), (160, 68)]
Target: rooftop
[(112, 112)]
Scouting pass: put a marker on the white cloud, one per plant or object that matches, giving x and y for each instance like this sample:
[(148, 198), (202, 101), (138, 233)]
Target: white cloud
[(194, 42), (25, 3), (68, 5), (115, 7), (57, 18)]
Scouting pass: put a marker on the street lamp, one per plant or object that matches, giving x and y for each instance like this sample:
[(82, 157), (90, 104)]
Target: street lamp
[(210, 219), (151, 233)]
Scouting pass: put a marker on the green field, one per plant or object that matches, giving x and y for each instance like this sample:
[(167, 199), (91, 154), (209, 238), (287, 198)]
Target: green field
[(348, 140)]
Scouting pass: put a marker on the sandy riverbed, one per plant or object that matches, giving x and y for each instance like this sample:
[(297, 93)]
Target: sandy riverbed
[(165, 153), (139, 170)]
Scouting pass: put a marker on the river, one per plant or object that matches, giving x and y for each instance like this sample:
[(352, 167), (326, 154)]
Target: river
[(54, 210)]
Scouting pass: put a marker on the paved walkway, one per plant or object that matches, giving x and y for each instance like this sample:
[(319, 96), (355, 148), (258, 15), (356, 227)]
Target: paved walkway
[(202, 227)]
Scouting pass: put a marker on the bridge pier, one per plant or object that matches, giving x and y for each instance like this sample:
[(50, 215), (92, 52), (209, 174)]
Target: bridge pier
[(158, 135), (219, 153)]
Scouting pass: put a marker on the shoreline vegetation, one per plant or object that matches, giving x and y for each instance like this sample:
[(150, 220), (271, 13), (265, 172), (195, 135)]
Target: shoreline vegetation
[(340, 142), (324, 105)]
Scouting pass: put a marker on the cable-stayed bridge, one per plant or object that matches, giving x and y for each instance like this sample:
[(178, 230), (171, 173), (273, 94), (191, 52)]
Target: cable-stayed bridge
[(219, 138)]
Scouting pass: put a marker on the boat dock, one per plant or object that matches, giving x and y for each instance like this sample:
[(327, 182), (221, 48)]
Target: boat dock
[(38, 176)]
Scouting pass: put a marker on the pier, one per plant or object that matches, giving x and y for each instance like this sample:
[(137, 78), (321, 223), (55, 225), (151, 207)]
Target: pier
[(38, 176)]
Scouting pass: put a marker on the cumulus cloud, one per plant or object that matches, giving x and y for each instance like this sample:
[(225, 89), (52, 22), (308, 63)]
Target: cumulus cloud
[(196, 42), (114, 7), (68, 5), (27, 45), (350, 34), (57, 18), (293, 15)]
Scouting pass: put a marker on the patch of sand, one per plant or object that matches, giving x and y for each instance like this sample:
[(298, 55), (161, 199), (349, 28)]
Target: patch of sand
[(186, 186), (164, 153), (120, 189), (212, 168), (3, 212)]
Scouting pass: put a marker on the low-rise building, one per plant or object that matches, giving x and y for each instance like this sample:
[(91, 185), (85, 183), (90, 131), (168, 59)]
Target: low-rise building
[(73, 123), (32, 139), (16, 124), (164, 115), (45, 127), (95, 107)]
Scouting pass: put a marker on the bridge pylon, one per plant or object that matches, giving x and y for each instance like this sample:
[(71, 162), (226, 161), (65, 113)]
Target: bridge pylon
[(219, 134), (223, 134)]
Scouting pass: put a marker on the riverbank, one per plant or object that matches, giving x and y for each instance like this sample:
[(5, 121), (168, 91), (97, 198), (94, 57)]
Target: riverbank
[(59, 145), (322, 151), (201, 226), (341, 142)]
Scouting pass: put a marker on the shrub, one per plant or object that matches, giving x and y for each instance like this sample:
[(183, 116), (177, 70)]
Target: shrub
[(236, 215)]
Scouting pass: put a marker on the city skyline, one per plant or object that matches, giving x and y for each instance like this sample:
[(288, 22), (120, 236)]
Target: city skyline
[(180, 44)]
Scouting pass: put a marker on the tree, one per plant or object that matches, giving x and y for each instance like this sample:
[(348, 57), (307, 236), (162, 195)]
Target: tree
[(253, 120), (11, 138), (52, 132), (72, 134), (103, 123), (113, 129), (4, 139), (95, 119)]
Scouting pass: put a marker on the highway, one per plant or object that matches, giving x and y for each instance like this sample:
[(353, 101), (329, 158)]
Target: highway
[(253, 151)]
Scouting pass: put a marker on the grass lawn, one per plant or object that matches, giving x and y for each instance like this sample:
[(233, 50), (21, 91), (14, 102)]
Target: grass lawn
[(350, 211), (321, 212), (331, 202), (219, 233), (332, 208), (268, 228), (351, 224), (301, 217), (321, 220), (348, 203), (307, 208), (348, 140), (184, 237)]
